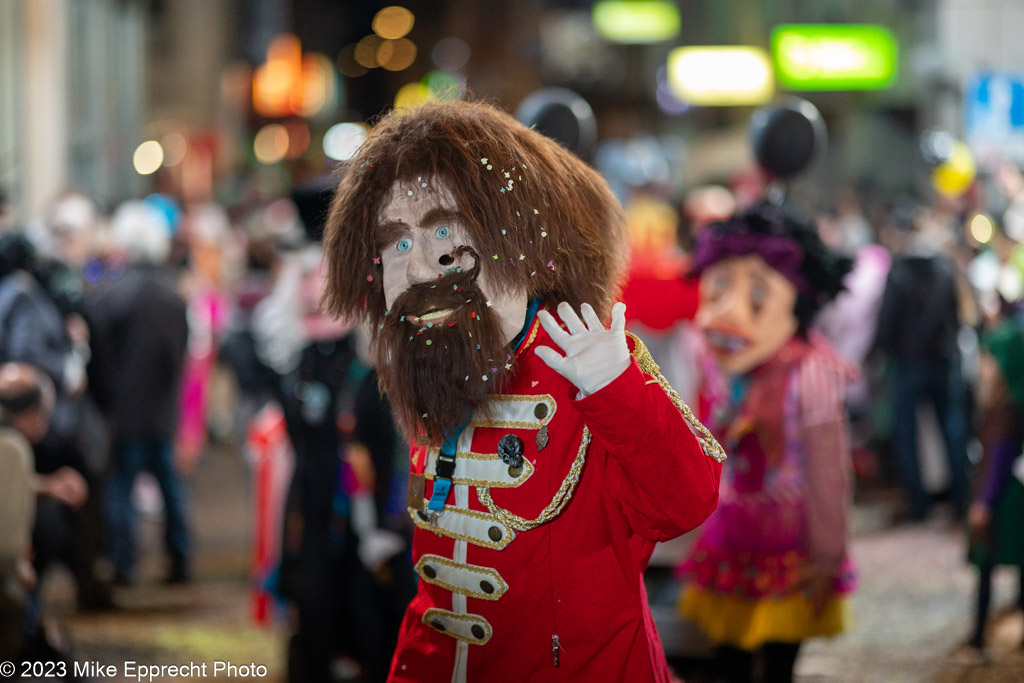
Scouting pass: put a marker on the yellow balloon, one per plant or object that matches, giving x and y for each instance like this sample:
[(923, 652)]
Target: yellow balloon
[(952, 177)]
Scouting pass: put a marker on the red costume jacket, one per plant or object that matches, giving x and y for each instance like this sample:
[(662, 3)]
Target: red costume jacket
[(535, 572)]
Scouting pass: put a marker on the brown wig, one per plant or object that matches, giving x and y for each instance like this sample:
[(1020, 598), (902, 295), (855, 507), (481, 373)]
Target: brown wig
[(541, 219)]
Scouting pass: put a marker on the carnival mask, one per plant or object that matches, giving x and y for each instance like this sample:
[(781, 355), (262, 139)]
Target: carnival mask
[(746, 311), (444, 344), (420, 229)]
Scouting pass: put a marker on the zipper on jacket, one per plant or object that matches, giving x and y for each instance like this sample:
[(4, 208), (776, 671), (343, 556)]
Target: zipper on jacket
[(555, 649)]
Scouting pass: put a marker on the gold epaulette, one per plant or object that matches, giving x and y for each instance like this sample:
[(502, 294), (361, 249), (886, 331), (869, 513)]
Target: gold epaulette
[(705, 438)]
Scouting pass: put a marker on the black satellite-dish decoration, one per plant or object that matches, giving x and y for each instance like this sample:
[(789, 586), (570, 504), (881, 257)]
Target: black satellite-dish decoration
[(788, 137), (562, 115)]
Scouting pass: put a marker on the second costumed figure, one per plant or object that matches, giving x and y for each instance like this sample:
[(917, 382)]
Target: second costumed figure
[(769, 568)]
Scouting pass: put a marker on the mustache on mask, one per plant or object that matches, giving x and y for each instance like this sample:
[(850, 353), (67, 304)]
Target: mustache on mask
[(451, 290)]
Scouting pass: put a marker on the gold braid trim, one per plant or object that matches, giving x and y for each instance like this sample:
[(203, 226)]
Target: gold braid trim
[(558, 502), (708, 443), (531, 338)]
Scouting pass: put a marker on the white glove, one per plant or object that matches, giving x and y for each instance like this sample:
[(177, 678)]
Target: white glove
[(594, 356)]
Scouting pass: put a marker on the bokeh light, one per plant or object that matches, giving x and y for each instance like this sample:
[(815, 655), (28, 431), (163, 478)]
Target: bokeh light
[(396, 55), (720, 75), (412, 95), (317, 85), (636, 21), (271, 143), (1011, 284), (275, 83), (1013, 221), (148, 157), (393, 22), (982, 228), (343, 139), (451, 54), (347, 64), (175, 148), (366, 51), (443, 86), (835, 56)]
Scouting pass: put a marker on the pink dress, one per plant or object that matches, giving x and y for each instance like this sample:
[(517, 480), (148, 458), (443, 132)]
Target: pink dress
[(782, 511)]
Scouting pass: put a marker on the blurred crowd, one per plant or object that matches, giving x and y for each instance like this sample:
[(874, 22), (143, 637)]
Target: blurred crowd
[(116, 326)]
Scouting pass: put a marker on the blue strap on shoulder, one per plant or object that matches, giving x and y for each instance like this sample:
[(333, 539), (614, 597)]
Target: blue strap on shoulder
[(444, 471), (445, 468)]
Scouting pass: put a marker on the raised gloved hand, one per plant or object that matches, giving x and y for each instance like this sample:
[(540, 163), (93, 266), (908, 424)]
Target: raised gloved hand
[(594, 356)]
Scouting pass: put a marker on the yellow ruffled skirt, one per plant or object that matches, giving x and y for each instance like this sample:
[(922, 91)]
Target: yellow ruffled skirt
[(748, 624)]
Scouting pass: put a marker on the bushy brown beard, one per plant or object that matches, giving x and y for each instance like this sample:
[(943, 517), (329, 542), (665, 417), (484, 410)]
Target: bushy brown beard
[(436, 377)]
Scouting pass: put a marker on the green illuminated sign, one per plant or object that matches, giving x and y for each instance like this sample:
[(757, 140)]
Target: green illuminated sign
[(834, 56), (636, 21)]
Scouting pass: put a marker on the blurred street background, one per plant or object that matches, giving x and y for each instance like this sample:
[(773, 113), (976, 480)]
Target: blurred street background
[(165, 167)]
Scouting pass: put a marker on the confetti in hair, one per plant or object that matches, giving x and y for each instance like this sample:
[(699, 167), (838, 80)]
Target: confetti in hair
[(552, 204)]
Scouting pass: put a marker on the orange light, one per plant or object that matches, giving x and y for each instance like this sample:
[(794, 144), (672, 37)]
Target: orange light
[(393, 22), (286, 48), (270, 89), (396, 55), (317, 84), (366, 51), (276, 82), (290, 83), (271, 143)]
